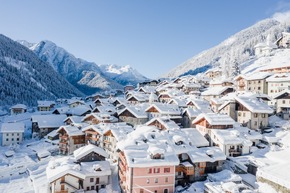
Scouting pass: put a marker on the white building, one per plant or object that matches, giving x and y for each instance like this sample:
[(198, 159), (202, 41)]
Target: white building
[(85, 171), (12, 133)]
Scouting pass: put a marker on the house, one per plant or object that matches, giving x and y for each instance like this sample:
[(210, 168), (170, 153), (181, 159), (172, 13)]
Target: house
[(276, 84), (95, 118), (216, 92), (105, 109), (73, 120), (146, 167), (213, 73), (284, 40), (283, 104), (85, 171), (79, 110), (74, 103), (265, 48), (93, 135), (200, 104), (112, 134), (252, 112), (221, 82), (61, 110), (44, 124), (70, 139), (206, 122), (18, 109), (45, 105), (181, 102), (255, 82), (230, 142), (147, 89), (229, 108), (167, 95), (191, 88), (189, 114), (134, 115), (12, 133), (163, 123), (161, 110)]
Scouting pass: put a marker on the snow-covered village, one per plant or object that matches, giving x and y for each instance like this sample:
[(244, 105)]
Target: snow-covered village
[(218, 123)]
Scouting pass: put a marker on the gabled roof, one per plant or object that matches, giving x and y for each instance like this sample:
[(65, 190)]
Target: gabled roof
[(48, 121), (284, 77), (45, 103), (254, 105), (192, 112), (280, 94), (79, 110), (85, 150), (217, 90), (71, 130), (165, 121), (168, 109), (12, 127), (138, 111), (19, 106), (215, 119)]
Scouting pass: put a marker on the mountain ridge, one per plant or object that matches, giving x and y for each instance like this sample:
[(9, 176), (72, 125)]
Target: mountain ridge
[(237, 48)]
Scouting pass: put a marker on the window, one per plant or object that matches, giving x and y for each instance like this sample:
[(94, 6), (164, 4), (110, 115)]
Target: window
[(97, 180), (239, 114), (255, 123), (88, 188), (259, 81), (155, 191), (91, 179), (156, 180), (263, 115), (148, 181), (244, 114), (255, 115), (7, 139), (17, 139), (149, 170), (156, 170), (141, 191), (12, 139), (259, 88), (165, 191), (166, 170), (283, 101), (166, 179), (92, 187), (12, 134), (17, 134), (7, 134)]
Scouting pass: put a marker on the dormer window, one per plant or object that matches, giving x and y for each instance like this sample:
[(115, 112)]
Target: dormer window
[(179, 143), (157, 156)]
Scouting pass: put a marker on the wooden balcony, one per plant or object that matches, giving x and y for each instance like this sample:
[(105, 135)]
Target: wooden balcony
[(185, 170)]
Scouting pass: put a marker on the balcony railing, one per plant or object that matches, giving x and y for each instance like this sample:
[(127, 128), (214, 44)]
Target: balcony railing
[(185, 170)]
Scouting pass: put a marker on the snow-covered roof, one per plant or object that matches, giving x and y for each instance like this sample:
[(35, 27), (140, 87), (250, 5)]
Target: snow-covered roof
[(58, 167), (19, 106), (12, 127), (79, 110), (119, 130), (137, 110), (178, 101), (254, 105), (195, 137), (284, 77), (192, 112), (102, 117), (224, 176), (165, 121), (206, 154), (166, 109), (45, 103), (48, 121), (216, 90), (74, 119), (215, 119), (230, 137), (85, 150), (258, 76), (71, 130)]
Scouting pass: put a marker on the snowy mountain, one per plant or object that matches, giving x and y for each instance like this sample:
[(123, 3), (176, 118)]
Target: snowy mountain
[(122, 74), (25, 78), (237, 48), (86, 76)]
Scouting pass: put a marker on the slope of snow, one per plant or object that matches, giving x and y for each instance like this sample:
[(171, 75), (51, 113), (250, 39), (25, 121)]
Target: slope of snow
[(237, 48)]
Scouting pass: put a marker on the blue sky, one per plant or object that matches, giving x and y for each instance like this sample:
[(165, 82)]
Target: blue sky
[(153, 36)]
